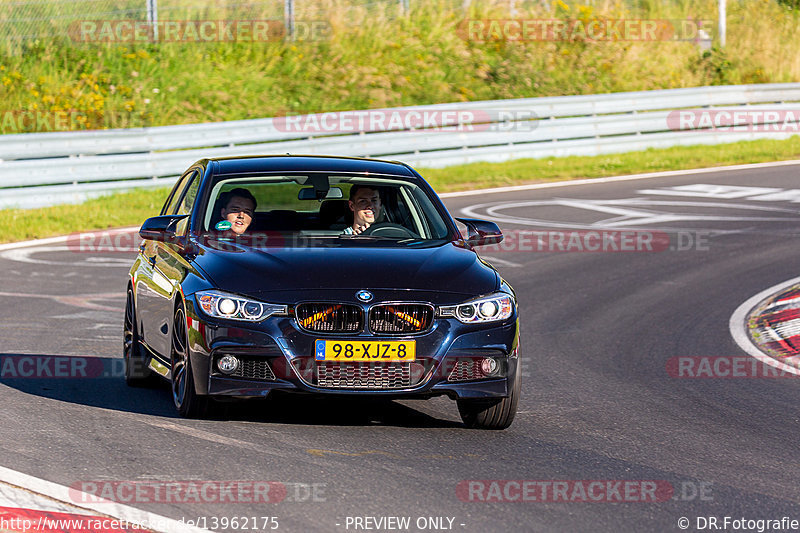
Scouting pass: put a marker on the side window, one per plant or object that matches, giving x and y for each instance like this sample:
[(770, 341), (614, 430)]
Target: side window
[(186, 203), (174, 196), (435, 227)]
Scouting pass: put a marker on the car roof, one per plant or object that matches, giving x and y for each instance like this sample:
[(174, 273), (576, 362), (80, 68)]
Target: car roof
[(310, 163)]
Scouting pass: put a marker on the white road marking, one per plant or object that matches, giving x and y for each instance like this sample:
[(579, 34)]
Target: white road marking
[(611, 179), (95, 503), (23, 255), (683, 203), (628, 211), (87, 316), (503, 262), (603, 206), (85, 301), (720, 192), (19, 498), (108, 261), (208, 435), (759, 194), (54, 240), (790, 195), (738, 324)]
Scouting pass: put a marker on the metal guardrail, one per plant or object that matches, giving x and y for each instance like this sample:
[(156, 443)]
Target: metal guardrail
[(48, 168)]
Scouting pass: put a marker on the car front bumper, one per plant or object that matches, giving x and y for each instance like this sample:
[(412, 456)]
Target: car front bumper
[(277, 355)]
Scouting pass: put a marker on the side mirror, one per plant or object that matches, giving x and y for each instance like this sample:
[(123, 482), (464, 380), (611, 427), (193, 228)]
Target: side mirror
[(161, 228), (481, 232)]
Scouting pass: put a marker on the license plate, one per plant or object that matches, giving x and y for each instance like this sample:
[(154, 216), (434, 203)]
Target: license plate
[(373, 351)]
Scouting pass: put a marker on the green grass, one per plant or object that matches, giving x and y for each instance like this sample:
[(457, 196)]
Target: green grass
[(483, 175), (376, 58), (118, 210), (131, 208)]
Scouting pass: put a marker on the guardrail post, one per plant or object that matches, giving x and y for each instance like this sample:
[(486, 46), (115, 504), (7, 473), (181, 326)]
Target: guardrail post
[(152, 17), (288, 17)]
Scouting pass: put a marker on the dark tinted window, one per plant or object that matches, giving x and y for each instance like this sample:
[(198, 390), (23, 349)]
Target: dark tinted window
[(171, 204), (184, 207)]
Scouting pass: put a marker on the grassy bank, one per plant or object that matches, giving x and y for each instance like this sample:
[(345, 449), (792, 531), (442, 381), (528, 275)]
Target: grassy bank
[(131, 208), (377, 57)]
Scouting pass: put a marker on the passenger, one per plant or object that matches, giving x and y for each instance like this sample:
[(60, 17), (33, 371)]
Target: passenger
[(239, 206), (365, 203)]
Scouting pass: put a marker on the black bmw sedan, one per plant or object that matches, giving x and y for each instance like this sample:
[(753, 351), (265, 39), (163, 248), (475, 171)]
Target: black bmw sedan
[(321, 275)]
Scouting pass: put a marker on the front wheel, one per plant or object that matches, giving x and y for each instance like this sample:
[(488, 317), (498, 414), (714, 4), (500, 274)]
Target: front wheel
[(188, 403), (492, 414)]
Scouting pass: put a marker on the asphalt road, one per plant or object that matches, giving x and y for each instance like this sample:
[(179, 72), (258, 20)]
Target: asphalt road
[(598, 331)]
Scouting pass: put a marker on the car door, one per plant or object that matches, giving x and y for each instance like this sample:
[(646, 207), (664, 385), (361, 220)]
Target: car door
[(170, 269), (154, 288)]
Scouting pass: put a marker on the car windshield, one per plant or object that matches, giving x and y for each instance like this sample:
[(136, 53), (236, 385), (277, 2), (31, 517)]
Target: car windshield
[(319, 208)]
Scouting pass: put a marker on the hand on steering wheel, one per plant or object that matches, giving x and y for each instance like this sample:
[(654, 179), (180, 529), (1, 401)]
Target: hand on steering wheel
[(389, 229)]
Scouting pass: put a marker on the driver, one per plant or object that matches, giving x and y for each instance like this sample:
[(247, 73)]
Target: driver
[(238, 207), (365, 203)]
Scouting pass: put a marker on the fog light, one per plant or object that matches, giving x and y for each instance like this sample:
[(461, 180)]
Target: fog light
[(227, 364), (488, 366)]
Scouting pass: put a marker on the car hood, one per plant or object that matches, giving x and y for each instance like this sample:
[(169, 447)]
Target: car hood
[(445, 268)]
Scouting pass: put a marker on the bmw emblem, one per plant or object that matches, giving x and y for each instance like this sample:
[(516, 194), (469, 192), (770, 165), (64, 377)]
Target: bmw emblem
[(364, 296)]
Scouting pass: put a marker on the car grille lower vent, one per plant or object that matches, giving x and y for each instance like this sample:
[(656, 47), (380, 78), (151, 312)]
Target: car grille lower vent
[(466, 369), (254, 369), (400, 318), (334, 375), (329, 318)]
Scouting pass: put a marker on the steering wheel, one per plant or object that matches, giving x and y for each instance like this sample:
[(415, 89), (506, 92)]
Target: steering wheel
[(389, 229)]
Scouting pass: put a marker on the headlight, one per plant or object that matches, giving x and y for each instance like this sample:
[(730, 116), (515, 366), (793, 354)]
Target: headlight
[(223, 305), (492, 308)]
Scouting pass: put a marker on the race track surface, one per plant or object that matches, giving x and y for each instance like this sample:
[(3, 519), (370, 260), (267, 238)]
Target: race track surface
[(603, 332)]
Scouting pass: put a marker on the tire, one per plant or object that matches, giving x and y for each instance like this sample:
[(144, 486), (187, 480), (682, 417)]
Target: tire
[(188, 403), (137, 374), (492, 414)]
